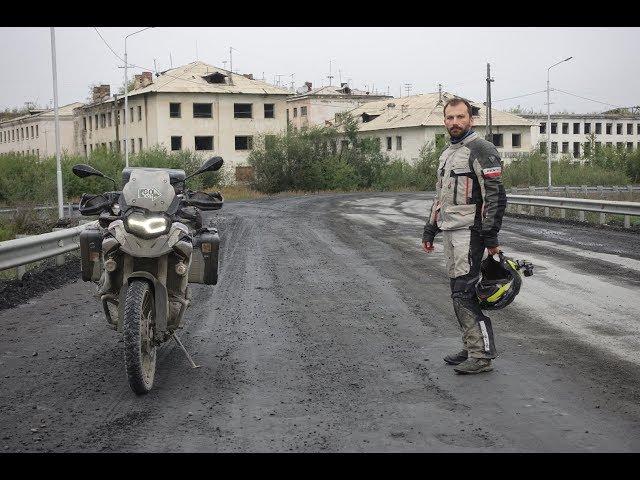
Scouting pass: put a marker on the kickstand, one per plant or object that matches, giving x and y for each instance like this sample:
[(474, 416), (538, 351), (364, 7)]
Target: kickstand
[(193, 365)]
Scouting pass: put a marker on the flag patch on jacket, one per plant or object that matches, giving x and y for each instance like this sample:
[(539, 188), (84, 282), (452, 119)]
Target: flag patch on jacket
[(492, 172)]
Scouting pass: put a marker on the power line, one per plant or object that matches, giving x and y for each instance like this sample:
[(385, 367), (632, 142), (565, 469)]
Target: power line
[(585, 98), (108, 46), (520, 96)]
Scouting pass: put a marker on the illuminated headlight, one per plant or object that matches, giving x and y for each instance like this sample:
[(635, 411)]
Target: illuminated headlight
[(147, 226)]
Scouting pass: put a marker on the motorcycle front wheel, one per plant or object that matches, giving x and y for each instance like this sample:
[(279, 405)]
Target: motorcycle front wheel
[(138, 325)]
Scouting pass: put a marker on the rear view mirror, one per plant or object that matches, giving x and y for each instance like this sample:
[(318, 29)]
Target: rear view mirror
[(81, 170), (211, 165)]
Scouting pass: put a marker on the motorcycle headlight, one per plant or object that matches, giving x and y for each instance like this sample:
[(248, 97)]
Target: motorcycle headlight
[(147, 226)]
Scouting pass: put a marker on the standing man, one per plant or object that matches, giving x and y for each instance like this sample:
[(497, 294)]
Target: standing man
[(468, 208)]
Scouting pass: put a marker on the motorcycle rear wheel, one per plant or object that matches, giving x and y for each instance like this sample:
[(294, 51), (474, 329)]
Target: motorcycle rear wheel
[(138, 325)]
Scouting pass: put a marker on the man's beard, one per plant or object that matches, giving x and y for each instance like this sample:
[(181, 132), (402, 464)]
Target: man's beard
[(459, 133)]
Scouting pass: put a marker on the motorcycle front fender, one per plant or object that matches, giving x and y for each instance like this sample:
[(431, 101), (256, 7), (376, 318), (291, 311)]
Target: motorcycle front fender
[(161, 301)]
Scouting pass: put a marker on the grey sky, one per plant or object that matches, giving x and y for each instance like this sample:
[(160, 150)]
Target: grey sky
[(605, 66)]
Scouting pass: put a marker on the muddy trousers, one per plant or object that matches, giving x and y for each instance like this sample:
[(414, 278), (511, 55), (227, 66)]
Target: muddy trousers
[(463, 251)]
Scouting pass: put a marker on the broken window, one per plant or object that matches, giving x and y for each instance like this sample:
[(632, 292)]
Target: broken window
[(565, 147), (202, 110), (139, 144), (96, 121), (295, 112), (629, 146), (303, 111), (398, 143), (543, 147), (215, 77), (554, 127), (598, 127), (130, 114), (609, 128), (587, 128), (242, 110), (554, 147), (32, 132), (244, 143), (204, 143), (389, 145), (576, 149), (565, 128), (638, 131), (133, 145), (176, 143), (543, 127), (576, 128), (629, 128), (497, 139), (269, 110), (103, 120), (618, 129), (367, 118), (516, 140), (139, 113), (174, 110)]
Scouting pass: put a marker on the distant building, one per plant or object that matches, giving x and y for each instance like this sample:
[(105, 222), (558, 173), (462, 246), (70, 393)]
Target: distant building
[(573, 134), (315, 106), (34, 133), (197, 107), (404, 125)]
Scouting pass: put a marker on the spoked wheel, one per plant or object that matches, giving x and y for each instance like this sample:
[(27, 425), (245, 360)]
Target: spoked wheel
[(139, 349)]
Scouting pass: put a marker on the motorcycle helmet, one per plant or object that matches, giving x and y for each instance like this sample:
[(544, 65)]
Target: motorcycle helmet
[(500, 281)]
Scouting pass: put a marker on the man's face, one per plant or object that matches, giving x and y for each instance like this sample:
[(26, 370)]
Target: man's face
[(457, 119)]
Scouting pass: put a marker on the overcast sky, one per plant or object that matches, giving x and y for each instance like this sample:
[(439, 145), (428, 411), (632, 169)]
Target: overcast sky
[(605, 66)]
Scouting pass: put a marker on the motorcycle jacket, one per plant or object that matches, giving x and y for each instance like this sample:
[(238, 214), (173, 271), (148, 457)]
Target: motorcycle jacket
[(469, 191)]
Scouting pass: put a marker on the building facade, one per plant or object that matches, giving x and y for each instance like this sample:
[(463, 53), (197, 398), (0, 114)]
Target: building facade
[(405, 125), (311, 106), (34, 133), (575, 135), (196, 107)]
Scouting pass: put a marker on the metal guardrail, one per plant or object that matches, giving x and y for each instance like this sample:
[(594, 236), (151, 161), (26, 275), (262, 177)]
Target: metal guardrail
[(603, 207), (68, 208), (21, 251), (580, 189)]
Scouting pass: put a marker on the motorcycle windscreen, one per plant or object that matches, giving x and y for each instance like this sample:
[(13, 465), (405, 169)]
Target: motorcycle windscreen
[(150, 189)]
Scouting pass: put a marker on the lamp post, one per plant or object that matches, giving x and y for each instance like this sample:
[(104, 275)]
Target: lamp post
[(549, 121), (56, 123), (126, 98)]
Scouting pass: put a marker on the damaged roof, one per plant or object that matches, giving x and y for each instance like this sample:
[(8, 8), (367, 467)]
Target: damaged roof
[(62, 111), (336, 91), (421, 111)]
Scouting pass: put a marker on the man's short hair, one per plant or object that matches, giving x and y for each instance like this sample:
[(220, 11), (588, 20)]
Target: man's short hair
[(456, 101)]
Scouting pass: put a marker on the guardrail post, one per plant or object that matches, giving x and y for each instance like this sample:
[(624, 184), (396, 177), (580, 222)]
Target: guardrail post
[(21, 269), (603, 218), (59, 258), (627, 221), (546, 211), (581, 215), (563, 213)]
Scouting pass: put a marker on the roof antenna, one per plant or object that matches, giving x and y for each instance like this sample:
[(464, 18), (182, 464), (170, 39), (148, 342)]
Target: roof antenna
[(329, 76), (170, 60)]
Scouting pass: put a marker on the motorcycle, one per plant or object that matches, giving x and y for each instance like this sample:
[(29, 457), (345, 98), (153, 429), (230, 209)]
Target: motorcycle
[(148, 246)]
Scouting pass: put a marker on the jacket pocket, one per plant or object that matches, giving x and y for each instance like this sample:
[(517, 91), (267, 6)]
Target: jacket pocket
[(463, 185), (457, 216)]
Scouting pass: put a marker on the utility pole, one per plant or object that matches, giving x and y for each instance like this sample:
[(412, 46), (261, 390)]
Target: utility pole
[(439, 94), (407, 87), (57, 123), (170, 60), (489, 120), (224, 64), (330, 76), (155, 67), (549, 122)]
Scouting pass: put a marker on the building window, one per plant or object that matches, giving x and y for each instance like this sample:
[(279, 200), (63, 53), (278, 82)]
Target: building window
[(576, 128), (576, 149), (103, 120), (204, 143), (269, 110), (139, 113), (202, 110), (124, 147), (608, 144), (565, 147), (303, 111), (398, 143), (609, 127), (619, 146), (133, 145), (244, 143), (543, 127), (295, 112), (96, 118), (598, 128), (497, 139), (618, 129), (287, 115), (174, 110), (554, 147), (130, 114), (543, 147), (638, 130), (565, 128), (139, 144), (242, 110), (176, 143), (109, 119), (389, 144), (21, 133), (554, 127), (587, 128), (516, 140), (38, 152), (91, 148), (629, 128), (587, 149), (629, 146), (32, 132)]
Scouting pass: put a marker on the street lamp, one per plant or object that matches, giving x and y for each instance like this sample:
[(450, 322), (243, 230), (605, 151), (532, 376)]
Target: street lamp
[(126, 98), (549, 120)]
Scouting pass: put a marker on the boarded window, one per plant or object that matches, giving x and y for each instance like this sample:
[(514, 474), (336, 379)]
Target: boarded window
[(244, 143), (269, 110), (204, 143), (174, 110), (202, 110), (516, 140), (242, 110), (176, 143)]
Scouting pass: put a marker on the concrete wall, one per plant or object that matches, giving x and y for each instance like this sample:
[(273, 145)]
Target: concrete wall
[(43, 143), (321, 109)]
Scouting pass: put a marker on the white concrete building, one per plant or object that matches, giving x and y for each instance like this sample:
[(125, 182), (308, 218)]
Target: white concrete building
[(315, 106), (404, 125), (572, 134), (197, 107), (34, 133)]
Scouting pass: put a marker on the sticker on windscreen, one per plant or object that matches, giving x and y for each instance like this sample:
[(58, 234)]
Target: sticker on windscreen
[(149, 193)]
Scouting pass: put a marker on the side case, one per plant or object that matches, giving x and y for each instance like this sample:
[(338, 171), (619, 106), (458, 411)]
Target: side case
[(204, 260), (91, 254)]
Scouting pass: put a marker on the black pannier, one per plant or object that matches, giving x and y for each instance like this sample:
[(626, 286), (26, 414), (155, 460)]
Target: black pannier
[(90, 254), (204, 261)]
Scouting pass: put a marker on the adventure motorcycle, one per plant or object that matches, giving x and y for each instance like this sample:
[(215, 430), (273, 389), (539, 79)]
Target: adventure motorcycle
[(149, 244)]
